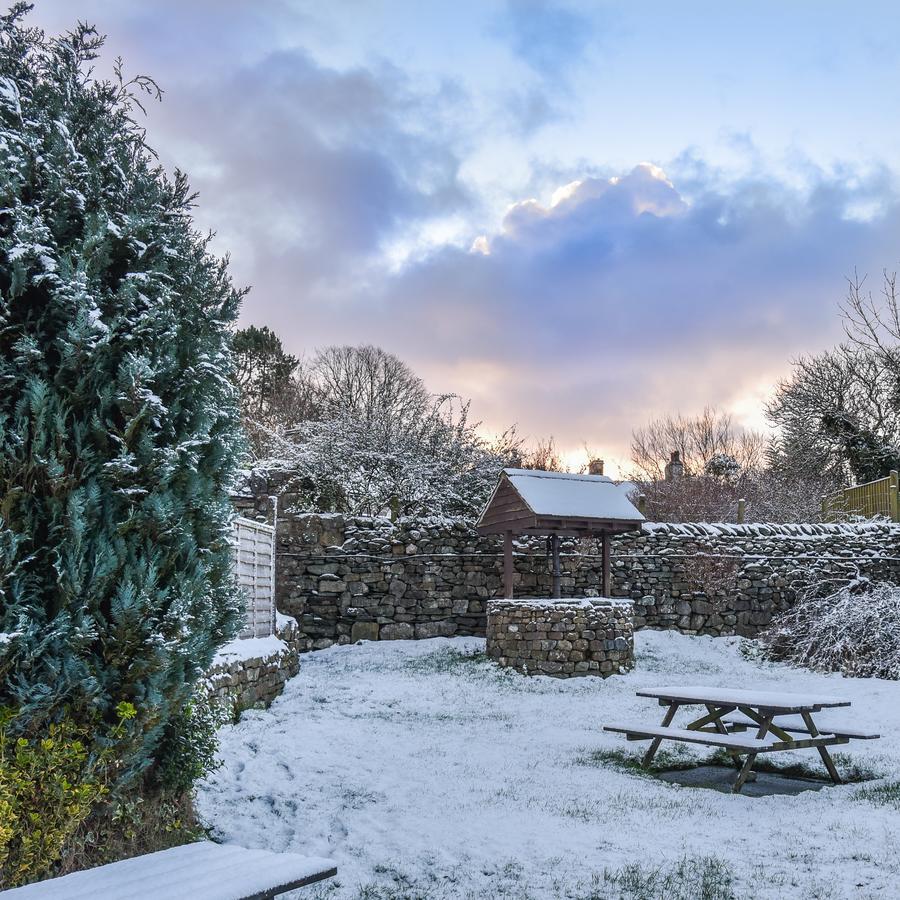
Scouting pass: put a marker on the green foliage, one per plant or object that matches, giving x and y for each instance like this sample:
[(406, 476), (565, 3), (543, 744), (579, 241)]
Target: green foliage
[(188, 751), (869, 455), (119, 429), (49, 783), (262, 366), (142, 819)]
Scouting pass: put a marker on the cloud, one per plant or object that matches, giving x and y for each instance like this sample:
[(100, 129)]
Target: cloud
[(621, 297), (307, 173), (547, 36), (299, 166), (588, 309)]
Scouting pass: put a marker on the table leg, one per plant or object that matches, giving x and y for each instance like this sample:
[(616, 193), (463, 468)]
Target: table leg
[(823, 751), (720, 727), (744, 774), (654, 744)]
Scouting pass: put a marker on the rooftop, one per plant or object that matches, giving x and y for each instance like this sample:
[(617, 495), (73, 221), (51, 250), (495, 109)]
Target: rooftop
[(530, 499), (572, 496)]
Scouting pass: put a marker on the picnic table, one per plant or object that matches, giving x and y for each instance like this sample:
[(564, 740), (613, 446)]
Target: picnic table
[(199, 871), (778, 718)]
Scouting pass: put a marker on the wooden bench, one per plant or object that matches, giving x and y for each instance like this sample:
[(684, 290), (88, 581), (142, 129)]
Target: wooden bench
[(740, 722), (731, 742), (200, 871)]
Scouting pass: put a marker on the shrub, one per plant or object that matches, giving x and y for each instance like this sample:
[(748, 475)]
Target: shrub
[(188, 751), (141, 820), (49, 784), (854, 630)]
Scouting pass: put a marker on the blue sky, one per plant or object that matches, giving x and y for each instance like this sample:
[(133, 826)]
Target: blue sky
[(579, 214)]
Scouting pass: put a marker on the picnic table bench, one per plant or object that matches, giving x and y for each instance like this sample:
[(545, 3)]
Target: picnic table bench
[(200, 871), (777, 718)]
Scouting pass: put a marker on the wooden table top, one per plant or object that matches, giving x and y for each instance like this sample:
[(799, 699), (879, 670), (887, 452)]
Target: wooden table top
[(770, 701)]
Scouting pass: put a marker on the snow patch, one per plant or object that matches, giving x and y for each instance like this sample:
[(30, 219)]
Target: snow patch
[(421, 764), (250, 648)]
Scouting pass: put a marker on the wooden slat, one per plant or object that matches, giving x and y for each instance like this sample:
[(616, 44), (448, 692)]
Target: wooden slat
[(776, 702), (711, 739), (796, 724), (254, 550)]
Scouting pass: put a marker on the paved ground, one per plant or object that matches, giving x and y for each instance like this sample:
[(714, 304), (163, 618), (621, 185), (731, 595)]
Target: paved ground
[(721, 778)]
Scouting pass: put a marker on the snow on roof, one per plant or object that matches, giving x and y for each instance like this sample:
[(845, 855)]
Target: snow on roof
[(572, 496)]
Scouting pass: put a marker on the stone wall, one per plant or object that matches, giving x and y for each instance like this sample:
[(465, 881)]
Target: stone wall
[(563, 638), (347, 579), (252, 672)]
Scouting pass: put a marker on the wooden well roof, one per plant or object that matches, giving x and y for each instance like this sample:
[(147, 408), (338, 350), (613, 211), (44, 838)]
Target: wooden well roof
[(530, 501)]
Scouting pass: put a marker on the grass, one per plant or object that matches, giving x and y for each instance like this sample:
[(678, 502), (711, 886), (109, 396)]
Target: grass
[(394, 884), (447, 660), (691, 878), (622, 805), (880, 795), (850, 771), (667, 759)]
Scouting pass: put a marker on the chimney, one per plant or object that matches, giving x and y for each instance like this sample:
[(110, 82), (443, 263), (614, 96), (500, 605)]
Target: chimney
[(674, 467), (595, 467)]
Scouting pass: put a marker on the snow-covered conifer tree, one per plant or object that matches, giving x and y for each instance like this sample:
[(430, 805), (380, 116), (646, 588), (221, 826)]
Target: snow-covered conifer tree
[(118, 416)]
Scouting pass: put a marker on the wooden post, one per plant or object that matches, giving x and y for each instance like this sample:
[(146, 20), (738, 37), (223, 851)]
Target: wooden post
[(508, 566), (742, 504), (554, 551), (825, 515), (604, 556), (894, 493)]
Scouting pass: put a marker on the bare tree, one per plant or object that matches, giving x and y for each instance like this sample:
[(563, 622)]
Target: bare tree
[(723, 466), (368, 383), (544, 455), (699, 439)]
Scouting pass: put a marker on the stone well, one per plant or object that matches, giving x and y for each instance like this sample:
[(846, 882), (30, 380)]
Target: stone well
[(563, 638)]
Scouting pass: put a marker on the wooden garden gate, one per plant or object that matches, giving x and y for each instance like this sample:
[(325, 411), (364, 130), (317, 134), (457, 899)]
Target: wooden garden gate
[(253, 544)]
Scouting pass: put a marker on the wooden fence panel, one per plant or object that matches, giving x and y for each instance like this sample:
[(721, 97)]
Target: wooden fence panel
[(874, 498), (253, 547)]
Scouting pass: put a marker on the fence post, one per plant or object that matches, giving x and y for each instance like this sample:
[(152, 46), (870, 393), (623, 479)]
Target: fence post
[(825, 515), (895, 495), (741, 509)]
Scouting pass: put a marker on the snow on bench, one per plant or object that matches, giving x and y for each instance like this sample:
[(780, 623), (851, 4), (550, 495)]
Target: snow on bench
[(200, 871), (712, 739), (795, 723)]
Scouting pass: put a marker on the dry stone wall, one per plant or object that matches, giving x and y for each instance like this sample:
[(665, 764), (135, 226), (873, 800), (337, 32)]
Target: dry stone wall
[(349, 579), (256, 670), (563, 638)]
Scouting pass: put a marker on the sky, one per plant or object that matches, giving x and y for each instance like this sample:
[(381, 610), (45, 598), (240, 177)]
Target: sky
[(579, 215)]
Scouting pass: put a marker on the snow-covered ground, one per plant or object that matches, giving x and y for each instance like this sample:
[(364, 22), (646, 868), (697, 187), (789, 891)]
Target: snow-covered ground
[(426, 772)]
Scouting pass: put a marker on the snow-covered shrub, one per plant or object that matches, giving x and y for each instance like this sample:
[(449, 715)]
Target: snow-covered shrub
[(854, 630), (433, 462)]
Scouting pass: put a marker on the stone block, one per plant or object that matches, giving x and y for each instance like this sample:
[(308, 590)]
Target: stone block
[(364, 631), (398, 632), (435, 629)]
